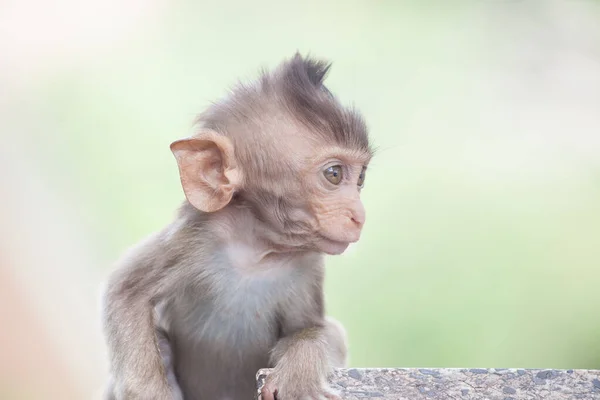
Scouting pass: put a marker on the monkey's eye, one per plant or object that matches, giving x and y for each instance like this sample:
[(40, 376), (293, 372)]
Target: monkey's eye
[(361, 177), (334, 174)]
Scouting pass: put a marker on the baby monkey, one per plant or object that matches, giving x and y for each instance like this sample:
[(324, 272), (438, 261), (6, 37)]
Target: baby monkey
[(272, 180)]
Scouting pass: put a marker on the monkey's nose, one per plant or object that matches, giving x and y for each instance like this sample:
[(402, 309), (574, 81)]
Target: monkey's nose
[(358, 215), (358, 222)]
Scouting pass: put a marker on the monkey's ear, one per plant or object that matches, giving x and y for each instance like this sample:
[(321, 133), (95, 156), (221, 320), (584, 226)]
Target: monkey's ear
[(208, 170)]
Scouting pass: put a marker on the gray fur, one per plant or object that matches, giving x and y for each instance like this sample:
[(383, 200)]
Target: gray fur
[(193, 311), (221, 323)]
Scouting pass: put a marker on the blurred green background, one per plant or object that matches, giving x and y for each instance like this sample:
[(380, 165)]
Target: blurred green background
[(482, 243)]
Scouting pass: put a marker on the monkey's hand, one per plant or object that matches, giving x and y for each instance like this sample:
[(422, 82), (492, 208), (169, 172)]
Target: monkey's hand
[(296, 384), (302, 365)]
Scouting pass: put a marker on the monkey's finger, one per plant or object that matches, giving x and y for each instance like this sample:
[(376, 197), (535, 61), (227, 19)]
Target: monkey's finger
[(266, 394), (331, 394)]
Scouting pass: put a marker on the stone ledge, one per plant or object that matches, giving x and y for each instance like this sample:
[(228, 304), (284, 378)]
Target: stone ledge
[(462, 384)]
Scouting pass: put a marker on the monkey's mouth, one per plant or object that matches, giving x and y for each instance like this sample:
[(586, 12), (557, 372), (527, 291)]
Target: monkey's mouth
[(330, 246)]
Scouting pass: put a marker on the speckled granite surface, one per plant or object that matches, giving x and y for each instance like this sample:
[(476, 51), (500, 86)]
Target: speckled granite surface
[(463, 384)]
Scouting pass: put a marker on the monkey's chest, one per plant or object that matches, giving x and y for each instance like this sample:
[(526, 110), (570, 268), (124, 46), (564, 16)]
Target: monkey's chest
[(224, 337), (243, 317), (239, 310)]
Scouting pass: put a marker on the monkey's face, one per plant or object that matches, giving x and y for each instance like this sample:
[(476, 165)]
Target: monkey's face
[(333, 183), (312, 201)]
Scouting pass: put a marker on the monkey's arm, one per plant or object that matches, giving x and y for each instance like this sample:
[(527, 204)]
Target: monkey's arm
[(129, 325), (310, 346)]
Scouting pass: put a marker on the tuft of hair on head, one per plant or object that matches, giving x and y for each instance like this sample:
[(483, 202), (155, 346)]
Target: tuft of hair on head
[(299, 82), (294, 88), (316, 70)]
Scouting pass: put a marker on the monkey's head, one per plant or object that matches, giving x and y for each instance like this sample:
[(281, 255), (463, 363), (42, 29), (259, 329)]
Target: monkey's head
[(287, 149)]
